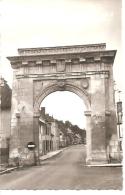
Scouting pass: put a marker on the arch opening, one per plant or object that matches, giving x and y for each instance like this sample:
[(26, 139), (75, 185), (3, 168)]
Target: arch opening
[(62, 122), (65, 105)]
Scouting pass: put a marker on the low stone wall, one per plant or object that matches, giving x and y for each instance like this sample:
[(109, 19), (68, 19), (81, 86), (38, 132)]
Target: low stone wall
[(23, 157)]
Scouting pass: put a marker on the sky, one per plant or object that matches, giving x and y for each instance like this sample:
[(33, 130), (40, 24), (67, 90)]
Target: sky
[(72, 109), (39, 23)]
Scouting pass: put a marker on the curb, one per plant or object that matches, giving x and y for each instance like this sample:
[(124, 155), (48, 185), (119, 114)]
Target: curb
[(8, 170), (105, 165), (47, 157)]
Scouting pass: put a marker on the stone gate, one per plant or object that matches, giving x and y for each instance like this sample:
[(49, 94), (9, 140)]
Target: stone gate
[(86, 70)]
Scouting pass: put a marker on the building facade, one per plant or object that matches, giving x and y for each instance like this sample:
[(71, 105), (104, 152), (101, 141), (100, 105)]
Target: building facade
[(55, 134), (5, 121), (48, 133)]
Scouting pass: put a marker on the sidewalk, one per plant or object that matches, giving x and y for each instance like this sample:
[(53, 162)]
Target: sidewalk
[(106, 165), (7, 170), (50, 154)]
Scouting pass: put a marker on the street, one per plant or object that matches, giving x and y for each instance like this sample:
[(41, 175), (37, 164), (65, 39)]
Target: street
[(64, 171)]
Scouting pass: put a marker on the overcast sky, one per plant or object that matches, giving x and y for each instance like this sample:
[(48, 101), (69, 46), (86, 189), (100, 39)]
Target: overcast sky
[(37, 23)]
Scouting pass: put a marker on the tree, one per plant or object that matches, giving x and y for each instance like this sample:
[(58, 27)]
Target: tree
[(68, 124)]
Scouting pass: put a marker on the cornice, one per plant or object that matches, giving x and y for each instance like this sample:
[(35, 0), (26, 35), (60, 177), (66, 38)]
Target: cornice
[(106, 56), (62, 49), (64, 76), (65, 55)]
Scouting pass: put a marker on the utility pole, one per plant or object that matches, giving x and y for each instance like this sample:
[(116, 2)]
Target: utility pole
[(1, 85), (119, 118), (1, 130), (118, 104)]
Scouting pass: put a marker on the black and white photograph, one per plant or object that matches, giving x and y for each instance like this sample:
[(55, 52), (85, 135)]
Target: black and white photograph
[(61, 95)]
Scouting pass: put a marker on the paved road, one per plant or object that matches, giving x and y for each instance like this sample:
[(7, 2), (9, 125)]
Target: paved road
[(65, 171)]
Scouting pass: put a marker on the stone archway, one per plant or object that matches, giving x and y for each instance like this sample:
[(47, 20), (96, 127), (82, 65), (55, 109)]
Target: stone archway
[(85, 70), (64, 86)]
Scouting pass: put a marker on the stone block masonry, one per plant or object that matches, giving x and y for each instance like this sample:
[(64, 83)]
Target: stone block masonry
[(86, 70)]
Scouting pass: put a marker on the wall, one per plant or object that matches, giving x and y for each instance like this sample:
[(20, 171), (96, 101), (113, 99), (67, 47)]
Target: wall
[(55, 138)]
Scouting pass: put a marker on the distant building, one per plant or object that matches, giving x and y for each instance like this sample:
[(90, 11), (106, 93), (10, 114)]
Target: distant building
[(45, 144), (55, 134), (62, 140), (48, 133), (5, 119), (70, 137), (77, 139)]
